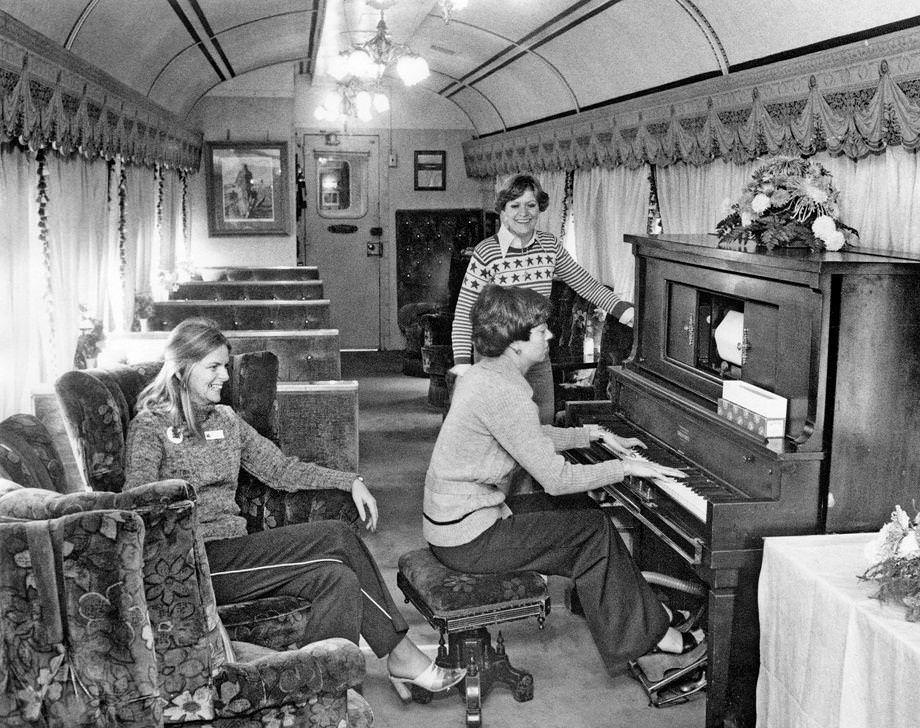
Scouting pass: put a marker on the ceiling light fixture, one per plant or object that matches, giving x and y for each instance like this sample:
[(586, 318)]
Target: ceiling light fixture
[(369, 60)]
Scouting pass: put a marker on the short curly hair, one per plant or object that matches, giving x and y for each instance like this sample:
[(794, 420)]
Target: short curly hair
[(517, 186), (502, 315)]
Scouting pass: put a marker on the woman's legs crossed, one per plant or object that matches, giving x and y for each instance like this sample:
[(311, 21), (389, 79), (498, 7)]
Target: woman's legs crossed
[(623, 614)]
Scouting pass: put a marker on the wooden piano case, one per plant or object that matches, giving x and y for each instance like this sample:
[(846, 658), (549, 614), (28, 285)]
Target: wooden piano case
[(838, 335)]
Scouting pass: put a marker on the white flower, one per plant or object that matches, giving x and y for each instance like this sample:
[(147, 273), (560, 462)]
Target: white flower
[(909, 545), (823, 227), (746, 218), (834, 241), (760, 203)]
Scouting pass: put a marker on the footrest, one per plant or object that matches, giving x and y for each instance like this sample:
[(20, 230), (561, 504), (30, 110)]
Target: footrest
[(455, 600)]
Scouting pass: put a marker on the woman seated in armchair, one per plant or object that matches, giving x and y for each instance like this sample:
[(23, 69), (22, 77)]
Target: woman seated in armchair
[(181, 431), (490, 434)]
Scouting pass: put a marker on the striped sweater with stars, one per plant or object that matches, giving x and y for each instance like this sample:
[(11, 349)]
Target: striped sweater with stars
[(532, 267)]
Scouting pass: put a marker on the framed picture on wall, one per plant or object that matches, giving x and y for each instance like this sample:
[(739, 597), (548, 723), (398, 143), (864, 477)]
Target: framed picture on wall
[(247, 188), (431, 170)]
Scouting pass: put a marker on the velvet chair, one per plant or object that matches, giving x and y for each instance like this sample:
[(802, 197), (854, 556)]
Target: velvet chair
[(98, 404), (145, 611)]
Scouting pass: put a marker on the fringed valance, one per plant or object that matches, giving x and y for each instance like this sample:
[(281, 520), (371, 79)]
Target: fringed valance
[(854, 121), (78, 112)]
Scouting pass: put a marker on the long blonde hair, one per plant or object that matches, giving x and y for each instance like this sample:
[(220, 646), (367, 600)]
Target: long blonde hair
[(188, 343)]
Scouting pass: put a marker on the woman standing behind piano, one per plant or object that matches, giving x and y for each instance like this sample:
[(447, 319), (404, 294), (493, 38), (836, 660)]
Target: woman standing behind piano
[(520, 255), (491, 431)]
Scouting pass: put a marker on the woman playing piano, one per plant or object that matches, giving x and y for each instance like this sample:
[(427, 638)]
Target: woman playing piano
[(491, 432)]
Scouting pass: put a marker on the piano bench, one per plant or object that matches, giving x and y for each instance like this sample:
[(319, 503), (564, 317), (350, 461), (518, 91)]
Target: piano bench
[(462, 605)]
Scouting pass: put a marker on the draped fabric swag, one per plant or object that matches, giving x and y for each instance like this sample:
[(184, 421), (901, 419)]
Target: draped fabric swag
[(852, 122), (91, 225)]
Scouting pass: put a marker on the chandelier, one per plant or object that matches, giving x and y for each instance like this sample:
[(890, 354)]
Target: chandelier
[(351, 98), (369, 60)]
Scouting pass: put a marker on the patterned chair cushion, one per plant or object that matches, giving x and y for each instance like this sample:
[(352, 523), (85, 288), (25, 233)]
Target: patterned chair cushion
[(76, 646), (450, 593)]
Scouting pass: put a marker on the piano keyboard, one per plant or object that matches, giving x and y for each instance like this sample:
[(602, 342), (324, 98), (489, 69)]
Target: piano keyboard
[(682, 493)]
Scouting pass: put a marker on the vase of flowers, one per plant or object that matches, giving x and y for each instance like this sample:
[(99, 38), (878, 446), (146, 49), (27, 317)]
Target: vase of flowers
[(895, 557), (789, 202), (143, 310)]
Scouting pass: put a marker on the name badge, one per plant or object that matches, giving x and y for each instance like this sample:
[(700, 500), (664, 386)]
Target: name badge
[(213, 434)]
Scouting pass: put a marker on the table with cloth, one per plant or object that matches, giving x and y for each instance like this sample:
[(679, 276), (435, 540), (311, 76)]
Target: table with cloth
[(830, 654)]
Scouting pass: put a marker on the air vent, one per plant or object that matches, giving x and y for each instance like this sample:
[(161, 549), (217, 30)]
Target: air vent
[(442, 49)]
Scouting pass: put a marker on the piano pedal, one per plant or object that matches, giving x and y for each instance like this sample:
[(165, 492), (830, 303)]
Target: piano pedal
[(677, 686)]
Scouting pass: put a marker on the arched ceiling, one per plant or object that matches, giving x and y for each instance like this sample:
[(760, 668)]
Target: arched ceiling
[(504, 63)]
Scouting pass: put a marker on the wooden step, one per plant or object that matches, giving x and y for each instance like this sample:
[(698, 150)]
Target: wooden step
[(244, 315), (274, 273), (248, 290), (303, 356)]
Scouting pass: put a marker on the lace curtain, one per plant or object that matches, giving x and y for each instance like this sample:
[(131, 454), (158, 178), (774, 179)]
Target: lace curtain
[(553, 184), (879, 196), (606, 203), (21, 279)]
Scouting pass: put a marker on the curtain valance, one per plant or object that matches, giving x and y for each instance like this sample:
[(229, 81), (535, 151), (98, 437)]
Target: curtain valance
[(39, 113), (825, 110)]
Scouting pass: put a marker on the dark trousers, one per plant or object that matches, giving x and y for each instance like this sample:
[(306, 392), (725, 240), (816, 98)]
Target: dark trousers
[(547, 535), (324, 563)]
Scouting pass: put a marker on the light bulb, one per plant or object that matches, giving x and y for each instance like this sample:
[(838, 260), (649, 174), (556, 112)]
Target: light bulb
[(412, 69), (381, 103)]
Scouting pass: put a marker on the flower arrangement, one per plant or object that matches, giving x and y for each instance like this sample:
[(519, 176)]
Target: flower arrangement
[(789, 201), (895, 557), (143, 305)]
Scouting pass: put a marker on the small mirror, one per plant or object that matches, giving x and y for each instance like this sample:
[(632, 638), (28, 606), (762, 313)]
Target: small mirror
[(341, 184)]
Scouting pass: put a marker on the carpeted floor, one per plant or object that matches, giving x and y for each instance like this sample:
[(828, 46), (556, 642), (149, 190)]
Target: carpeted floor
[(397, 431)]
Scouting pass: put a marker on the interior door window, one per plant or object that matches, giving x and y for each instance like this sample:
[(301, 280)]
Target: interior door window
[(341, 184)]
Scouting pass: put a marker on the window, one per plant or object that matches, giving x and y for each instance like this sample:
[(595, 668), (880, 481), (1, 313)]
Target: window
[(341, 184)]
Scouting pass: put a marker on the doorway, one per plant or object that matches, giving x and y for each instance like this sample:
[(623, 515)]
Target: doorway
[(340, 206)]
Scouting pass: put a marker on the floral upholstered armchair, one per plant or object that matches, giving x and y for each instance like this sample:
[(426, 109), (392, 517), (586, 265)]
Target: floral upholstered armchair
[(144, 644), (98, 404)]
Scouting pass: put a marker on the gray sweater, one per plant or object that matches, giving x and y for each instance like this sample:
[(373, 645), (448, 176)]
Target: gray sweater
[(491, 431), (212, 464)]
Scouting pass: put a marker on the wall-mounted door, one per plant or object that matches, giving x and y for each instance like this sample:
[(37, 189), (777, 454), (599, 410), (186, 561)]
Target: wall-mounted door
[(341, 194)]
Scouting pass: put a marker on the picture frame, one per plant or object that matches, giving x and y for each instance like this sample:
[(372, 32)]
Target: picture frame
[(430, 167), (247, 188)]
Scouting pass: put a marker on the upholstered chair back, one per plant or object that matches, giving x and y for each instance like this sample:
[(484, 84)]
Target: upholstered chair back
[(28, 456), (200, 674), (76, 645)]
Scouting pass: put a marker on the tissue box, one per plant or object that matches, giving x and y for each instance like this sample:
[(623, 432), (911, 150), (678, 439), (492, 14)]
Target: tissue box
[(755, 399), (753, 422)]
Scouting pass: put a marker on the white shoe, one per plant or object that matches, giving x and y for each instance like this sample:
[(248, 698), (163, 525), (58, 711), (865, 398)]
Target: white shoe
[(434, 679)]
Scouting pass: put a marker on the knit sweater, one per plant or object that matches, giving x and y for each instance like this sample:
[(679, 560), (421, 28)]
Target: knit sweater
[(532, 267), (212, 464), (491, 430)]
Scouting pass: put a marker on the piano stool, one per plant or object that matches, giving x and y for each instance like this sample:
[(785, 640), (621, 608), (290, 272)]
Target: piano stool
[(462, 605)]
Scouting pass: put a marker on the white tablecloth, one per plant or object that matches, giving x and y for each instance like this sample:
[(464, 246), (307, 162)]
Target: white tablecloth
[(829, 654)]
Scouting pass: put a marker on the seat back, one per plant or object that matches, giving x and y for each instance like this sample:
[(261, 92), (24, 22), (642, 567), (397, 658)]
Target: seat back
[(28, 456), (76, 645), (98, 404), (172, 569)]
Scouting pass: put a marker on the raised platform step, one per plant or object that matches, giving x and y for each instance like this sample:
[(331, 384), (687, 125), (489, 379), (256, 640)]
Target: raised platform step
[(244, 315), (248, 290), (303, 356), (274, 273)]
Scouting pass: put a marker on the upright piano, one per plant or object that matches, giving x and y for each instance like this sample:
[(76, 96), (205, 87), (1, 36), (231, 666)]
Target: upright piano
[(836, 334)]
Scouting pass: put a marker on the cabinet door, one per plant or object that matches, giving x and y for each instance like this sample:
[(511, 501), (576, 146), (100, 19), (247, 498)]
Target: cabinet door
[(759, 344), (682, 323)]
